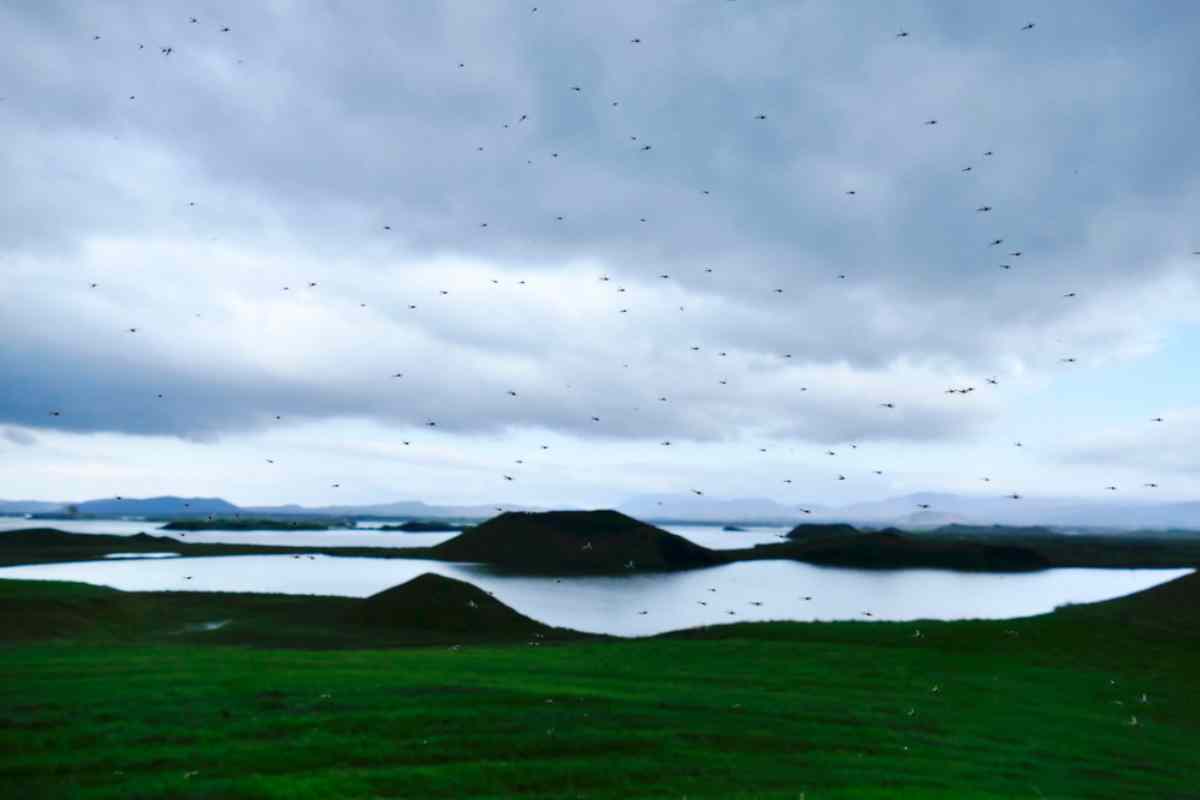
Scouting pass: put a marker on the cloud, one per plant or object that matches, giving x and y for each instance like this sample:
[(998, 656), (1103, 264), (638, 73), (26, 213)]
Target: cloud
[(17, 436), (1155, 448), (276, 154)]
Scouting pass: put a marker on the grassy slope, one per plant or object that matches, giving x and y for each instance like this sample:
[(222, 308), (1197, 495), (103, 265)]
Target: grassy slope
[(766, 710), (43, 611)]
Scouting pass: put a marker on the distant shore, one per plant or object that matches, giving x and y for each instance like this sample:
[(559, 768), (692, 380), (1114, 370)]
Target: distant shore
[(1008, 550)]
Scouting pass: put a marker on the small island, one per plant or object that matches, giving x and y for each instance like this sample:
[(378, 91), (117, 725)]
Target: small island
[(424, 526), (733, 528)]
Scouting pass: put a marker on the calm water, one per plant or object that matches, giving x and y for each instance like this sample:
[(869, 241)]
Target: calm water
[(142, 555), (671, 600), (363, 536)]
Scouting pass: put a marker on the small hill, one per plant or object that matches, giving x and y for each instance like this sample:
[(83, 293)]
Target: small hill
[(438, 604), (574, 541), (811, 531)]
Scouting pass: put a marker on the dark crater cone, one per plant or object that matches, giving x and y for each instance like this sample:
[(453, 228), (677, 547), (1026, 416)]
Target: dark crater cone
[(574, 541)]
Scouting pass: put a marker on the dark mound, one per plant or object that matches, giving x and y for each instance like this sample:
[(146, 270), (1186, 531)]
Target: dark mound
[(435, 603), (732, 528), (891, 548), (574, 541), (819, 531), (418, 526)]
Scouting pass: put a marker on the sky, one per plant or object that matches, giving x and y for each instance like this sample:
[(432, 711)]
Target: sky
[(255, 255)]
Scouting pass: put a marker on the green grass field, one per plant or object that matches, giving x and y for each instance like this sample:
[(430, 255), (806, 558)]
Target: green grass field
[(119, 704)]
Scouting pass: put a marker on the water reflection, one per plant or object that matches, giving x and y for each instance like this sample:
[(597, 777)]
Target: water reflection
[(671, 600)]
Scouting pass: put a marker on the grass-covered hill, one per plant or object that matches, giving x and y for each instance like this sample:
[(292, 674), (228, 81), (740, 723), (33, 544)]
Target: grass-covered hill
[(1092, 701), (574, 541), (432, 602)]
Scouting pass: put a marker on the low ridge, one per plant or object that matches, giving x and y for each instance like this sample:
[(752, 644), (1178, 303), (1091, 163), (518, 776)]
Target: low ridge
[(844, 545)]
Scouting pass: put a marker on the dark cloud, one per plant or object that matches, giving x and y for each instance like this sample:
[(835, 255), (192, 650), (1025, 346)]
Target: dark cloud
[(304, 131)]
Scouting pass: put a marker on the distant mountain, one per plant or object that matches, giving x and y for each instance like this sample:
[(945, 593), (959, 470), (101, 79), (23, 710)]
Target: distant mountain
[(929, 519), (905, 511), (404, 509), (1170, 515), (709, 509), (945, 508), (1002, 510), (28, 507), (157, 506), (187, 506), (892, 509)]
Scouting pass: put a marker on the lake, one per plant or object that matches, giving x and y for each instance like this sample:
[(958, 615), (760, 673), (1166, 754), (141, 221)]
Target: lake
[(366, 535), (613, 604)]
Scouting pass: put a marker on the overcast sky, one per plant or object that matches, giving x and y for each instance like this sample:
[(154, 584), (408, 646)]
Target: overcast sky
[(223, 254)]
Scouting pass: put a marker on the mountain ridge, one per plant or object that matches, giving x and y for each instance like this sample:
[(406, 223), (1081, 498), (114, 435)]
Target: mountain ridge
[(906, 511)]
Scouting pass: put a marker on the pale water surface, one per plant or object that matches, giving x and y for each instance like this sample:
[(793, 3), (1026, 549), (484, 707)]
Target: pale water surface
[(363, 536), (142, 555), (671, 600)]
